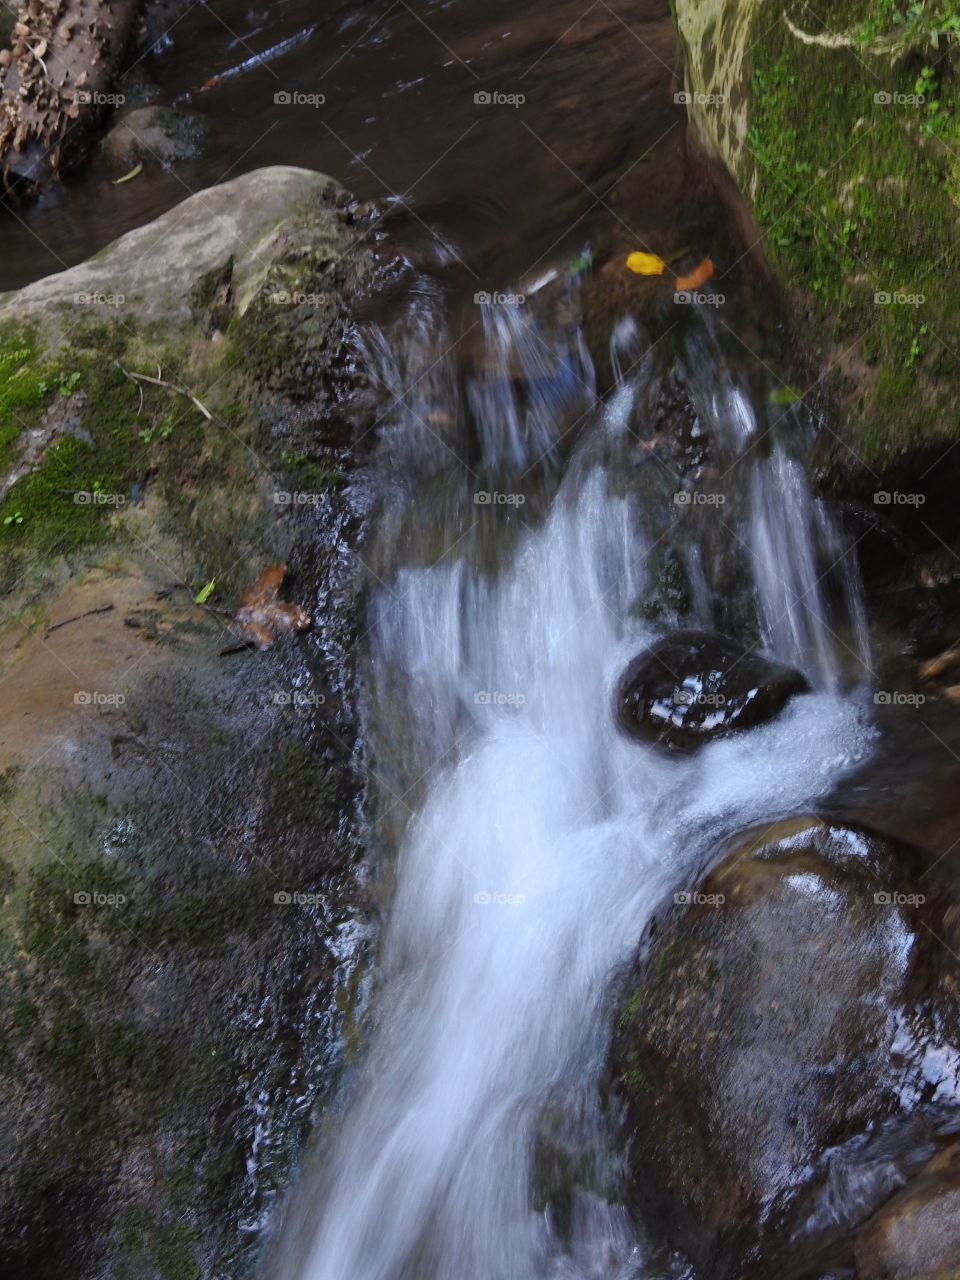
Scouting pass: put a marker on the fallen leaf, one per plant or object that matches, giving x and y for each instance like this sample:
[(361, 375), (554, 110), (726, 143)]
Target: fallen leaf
[(127, 176), (205, 592), (944, 662), (701, 272), (261, 617), (645, 264)]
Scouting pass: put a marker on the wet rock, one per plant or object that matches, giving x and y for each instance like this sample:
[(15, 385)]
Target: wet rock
[(158, 134), (694, 686), (916, 1235), (183, 912), (787, 1052)]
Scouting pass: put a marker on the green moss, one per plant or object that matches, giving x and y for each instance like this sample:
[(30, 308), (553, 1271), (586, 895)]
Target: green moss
[(154, 1248), (671, 957), (858, 199), (296, 785)]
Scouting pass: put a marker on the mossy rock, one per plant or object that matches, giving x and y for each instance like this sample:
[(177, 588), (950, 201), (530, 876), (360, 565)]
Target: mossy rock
[(842, 129)]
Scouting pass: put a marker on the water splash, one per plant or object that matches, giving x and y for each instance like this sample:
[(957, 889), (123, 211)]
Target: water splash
[(530, 871)]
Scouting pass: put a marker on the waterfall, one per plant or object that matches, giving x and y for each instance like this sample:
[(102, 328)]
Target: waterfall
[(547, 839)]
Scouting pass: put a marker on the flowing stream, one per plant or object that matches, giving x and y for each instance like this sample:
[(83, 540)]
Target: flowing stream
[(542, 839)]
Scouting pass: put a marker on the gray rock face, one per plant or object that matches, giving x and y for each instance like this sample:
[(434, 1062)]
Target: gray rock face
[(152, 270)]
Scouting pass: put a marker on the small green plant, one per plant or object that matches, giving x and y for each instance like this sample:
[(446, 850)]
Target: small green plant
[(15, 517), (915, 348)]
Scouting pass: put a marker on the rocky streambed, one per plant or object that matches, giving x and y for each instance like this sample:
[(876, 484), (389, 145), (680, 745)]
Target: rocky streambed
[(191, 890)]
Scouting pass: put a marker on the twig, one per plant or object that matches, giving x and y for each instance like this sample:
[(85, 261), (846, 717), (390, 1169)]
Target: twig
[(104, 608), (235, 648), (168, 386)]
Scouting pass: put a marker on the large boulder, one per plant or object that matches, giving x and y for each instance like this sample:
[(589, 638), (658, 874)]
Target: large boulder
[(694, 686), (181, 901), (787, 1051)]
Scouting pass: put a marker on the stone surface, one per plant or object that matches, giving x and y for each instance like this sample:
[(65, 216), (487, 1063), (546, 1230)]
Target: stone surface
[(694, 686), (787, 1049)]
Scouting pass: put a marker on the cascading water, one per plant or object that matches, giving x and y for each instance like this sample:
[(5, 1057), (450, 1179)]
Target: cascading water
[(545, 843)]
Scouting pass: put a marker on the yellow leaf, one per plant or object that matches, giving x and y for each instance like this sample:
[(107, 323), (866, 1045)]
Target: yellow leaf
[(645, 264), (127, 176)]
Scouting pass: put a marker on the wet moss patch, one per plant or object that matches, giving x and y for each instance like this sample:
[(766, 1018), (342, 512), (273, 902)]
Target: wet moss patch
[(854, 154)]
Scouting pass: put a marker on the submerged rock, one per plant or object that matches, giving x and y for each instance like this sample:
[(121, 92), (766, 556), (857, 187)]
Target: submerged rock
[(161, 134), (693, 686), (916, 1235), (787, 1055)]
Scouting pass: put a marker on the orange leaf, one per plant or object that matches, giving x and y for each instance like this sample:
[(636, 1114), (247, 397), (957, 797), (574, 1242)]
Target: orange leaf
[(701, 272)]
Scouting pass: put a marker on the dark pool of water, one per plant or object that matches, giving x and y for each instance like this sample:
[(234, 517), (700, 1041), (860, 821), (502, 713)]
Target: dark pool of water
[(401, 116)]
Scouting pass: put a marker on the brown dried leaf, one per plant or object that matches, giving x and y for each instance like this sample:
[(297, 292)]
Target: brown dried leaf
[(261, 617)]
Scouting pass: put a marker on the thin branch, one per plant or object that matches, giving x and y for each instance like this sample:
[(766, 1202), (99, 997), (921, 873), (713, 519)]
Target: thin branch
[(167, 386)]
